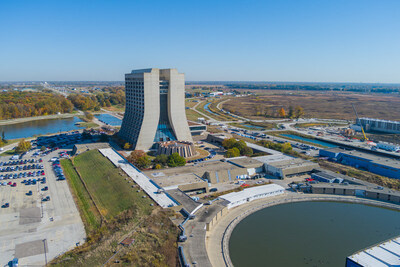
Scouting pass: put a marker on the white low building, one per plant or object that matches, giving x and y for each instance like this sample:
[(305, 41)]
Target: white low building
[(250, 194)]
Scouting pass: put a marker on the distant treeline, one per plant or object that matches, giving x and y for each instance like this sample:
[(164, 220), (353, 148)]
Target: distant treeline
[(17, 104), (318, 87), (114, 96)]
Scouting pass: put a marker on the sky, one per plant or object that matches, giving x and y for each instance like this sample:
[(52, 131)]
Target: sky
[(216, 40)]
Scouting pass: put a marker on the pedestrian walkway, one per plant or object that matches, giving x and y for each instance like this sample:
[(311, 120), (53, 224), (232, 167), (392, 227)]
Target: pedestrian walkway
[(138, 177)]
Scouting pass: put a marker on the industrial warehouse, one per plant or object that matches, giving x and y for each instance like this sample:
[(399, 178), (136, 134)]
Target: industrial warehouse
[(376, 164), (250, 194), (199, 177), (379, 125), (383, 254)]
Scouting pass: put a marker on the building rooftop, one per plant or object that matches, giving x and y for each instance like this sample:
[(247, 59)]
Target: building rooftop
[(249, 192), (375, 159), (295, 162), (383, 254), (374, 188), (272, 158), (246, 162), (169, 180)]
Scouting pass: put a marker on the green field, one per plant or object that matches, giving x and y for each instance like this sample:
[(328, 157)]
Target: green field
[(107, 185), (193, 115), (87, 209), (115, 212)]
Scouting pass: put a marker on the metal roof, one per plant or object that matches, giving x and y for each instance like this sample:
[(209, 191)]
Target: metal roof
[(250, 192), (383, 254)]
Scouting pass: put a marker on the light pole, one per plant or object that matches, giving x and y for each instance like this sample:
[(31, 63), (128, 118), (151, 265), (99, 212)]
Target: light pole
[(45, 254)]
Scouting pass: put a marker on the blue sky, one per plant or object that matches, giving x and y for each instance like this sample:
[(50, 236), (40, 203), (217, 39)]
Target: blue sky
[(299, 40)]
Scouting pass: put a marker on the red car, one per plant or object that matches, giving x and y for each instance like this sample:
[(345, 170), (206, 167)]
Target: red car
[(9, 183), (14, 185)]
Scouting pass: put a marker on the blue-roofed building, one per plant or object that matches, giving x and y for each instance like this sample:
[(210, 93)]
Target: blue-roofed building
[(376, 164)]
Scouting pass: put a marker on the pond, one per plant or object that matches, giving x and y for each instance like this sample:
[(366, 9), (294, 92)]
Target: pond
[(109, 119), (310, 234), (38, 127)]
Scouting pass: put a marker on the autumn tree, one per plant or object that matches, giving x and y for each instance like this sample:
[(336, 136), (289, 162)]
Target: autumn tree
[(143, 162), (282, 112), (23, 146), (88, 116), (298, 112), (135, 155)]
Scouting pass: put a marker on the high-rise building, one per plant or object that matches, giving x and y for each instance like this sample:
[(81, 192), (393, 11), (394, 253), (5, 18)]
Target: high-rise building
[(155, 108)]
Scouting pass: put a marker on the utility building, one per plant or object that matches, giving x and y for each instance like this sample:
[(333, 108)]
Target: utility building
[(155, 108)]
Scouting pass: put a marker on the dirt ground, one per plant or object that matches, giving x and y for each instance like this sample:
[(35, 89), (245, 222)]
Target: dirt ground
[(328, 105)]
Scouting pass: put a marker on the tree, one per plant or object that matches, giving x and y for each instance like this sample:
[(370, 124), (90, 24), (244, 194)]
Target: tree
[(127, 146), (143, 162), (161, 159), (23, 146), (135, 155), (157, 166), (298, 112), (247, 151), (3, 136), (291, 112), (43, 148), (88, 116), (286, 147), (282, 112), (175, 160), (240, 145), (229, 143), (232, 153)]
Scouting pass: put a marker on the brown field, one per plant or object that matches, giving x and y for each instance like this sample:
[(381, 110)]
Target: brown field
[(325, 105)]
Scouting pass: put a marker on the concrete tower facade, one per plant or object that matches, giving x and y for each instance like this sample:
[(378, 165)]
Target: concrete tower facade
[(155, 108)]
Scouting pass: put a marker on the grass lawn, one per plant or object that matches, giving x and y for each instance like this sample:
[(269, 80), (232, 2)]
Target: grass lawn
[(87, 209), (193, 115), (88, 124), (106, 183), (190, 103), (128, 214), (116, 108)]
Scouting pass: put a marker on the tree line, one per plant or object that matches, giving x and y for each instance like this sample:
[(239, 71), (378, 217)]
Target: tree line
[(18, 104), (140, 159), (96, 101)]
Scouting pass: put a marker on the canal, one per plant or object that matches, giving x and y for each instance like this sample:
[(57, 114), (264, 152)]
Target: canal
[(38, 127), (310, 234), (314, 141)]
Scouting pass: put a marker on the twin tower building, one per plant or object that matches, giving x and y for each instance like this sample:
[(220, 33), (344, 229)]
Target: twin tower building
[(155, 108)]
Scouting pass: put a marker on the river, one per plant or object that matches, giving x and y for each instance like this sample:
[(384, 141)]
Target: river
[(310, 234), (37, 127)]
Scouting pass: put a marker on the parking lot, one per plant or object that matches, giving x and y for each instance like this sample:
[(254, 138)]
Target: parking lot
[(41, 220)]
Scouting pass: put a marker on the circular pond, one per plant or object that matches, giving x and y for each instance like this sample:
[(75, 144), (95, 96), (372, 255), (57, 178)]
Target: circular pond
[(310, 233)]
